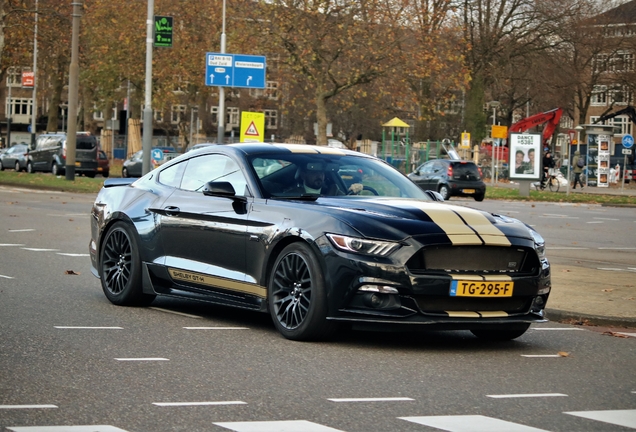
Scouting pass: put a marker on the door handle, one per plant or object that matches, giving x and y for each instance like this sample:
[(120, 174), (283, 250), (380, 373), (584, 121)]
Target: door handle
[(172, 210)]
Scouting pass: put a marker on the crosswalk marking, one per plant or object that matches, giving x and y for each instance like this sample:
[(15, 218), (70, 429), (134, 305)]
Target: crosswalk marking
[(540, 355), (626, 418), (627, 334), (277, 426), (470, 423), (91, 428)]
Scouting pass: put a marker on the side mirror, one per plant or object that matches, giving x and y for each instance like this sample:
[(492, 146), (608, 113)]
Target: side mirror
[(434, 195), (224, 189)]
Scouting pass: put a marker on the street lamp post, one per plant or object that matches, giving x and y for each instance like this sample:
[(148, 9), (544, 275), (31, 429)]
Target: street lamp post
[(34, 105), (494, 105), (578, 129), (221, 114), (146, 142)]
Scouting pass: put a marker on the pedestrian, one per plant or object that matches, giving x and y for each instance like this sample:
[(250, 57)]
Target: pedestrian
[(578, 168)]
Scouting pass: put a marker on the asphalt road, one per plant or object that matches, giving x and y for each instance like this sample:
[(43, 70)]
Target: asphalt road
[(71, 361)]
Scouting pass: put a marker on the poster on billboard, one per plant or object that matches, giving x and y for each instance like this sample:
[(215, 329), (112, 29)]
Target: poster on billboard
[(524, 163), (603, 160), (592, 159)]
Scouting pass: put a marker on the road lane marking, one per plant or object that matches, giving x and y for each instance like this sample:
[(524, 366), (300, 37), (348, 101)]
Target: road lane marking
[(595, 222), (216, 328), (527, 395), (10, 244), (540, 355), (617, 248), (143, 359), (558, 216), (89, 428), (88, 328), (6, 277), (174, 312), (625, 418), (22, 230), (609, 268), (566, 248), (40, 249), (277, 426), (73, 254), (558, 328), (386, 399), (607, 219), (181, 404), (470, 423), (26, 406)]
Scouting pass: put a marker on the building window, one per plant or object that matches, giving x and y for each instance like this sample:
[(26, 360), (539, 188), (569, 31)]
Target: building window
[(98, 114), (621, 62), (599, 96), (19, 106), (620, 95), (622, 124), (177, 113), (14, 76), (271, 119), (157, 115), (270, 91), (232, 116)]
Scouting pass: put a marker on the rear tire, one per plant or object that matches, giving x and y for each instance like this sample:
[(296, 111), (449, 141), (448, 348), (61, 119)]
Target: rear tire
[(91, 174), (553, 182), (1, 166), (480, 197), (444, 192), (504, 334), (30, 169), (120, 268), (55, 170), (17, 167)]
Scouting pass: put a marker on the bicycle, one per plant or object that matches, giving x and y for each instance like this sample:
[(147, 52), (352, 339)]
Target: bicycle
[(551, 182)]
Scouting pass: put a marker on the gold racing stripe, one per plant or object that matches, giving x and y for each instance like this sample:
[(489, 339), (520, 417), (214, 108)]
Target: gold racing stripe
[(232, 285), (449, 222), (462, 314), (492, 314), (488, 232)]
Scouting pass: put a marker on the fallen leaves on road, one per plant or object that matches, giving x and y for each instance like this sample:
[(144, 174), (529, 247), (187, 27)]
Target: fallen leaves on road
[(615, 334), (566, 271), (71, 272), (608, 290), (563, 354)]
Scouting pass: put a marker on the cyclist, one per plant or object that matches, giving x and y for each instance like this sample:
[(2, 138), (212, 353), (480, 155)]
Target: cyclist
[(548, 163)]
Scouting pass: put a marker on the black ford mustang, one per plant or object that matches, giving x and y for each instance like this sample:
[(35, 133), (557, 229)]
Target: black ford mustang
[(317, 237)]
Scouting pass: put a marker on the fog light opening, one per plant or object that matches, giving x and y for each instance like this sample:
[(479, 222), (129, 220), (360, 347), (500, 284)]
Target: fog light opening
[(538, 304), (381, 301)]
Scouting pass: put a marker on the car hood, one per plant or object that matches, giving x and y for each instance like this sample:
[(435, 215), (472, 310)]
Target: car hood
[(396, 219)]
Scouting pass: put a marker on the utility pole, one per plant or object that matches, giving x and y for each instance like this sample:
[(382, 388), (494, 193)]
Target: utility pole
[(73, 85), (147, 136), (221, 114), (34, 105)]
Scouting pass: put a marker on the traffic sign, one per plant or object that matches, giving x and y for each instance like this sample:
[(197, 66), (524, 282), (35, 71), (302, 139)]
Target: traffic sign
[(627, 151), (628, 141), (235, 70), (157, 154)]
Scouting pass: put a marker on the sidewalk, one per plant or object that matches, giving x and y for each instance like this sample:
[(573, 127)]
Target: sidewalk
[(592, 296)]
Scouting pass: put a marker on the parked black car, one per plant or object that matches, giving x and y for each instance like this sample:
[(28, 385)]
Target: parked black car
[(450, 178), (210, 226), (49, 154), (133, 166), (14, 158)]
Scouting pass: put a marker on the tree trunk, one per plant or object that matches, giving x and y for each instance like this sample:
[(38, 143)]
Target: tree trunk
[(54, 106), (321, 116)]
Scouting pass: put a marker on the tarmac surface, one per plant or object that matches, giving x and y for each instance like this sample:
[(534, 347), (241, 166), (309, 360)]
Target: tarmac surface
[(588, 296)]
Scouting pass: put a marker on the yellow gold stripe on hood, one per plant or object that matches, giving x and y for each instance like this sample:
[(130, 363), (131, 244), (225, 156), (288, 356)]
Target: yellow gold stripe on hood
[(480, 223), (454, 227)]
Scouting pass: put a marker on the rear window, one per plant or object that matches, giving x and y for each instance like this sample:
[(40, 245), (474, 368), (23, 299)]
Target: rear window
[(85, 143), (465, 171)]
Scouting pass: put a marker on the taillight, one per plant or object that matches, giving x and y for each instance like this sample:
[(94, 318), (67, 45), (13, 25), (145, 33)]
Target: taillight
[(480, 174), (64, 153), (449, 173)]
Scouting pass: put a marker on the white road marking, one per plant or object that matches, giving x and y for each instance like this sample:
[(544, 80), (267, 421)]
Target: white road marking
[(90, 428), (68, 214), (10, 244), (558, 328), (143, 359), (560, 216), (73, 254), (174, 312), (470, 423), (40, 250), (26, 406), (277, 426), (88, 328), (22, 230), (386, 399), (566, 248), (180, 404), (540, 355), (6, 277), (627, 334), (216, 328), (626, 418), (607, 219), (610, 269), (595, 222), (527, 395), (617, 248)]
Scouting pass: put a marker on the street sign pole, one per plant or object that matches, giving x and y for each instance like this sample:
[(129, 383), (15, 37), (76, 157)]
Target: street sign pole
[(146, 143), (628, 143), (221, 114)]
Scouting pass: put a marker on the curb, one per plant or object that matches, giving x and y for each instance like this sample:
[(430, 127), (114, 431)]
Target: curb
[(585, 319)]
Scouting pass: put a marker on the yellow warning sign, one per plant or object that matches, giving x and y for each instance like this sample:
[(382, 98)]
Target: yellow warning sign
[(252, 127)]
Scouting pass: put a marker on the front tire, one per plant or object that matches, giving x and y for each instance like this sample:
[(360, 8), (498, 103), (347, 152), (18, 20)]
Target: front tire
[(120, 268), (1, 166), (30, 169), (55, 169), (506, 333), (554, 184), (124, 173), (297, 296), (17, 167)]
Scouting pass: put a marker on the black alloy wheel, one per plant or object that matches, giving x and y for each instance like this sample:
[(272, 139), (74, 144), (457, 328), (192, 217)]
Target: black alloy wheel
[(506, 333), (297, 298), (120, 268)]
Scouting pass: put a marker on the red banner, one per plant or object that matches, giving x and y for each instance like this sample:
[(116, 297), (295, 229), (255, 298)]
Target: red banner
[(28, 79)]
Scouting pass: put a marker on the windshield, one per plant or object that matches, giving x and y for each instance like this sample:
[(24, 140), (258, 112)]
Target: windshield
[(296, 175)]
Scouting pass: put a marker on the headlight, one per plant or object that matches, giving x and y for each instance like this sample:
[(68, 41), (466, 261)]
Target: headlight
[(362, 246), (538, 242)]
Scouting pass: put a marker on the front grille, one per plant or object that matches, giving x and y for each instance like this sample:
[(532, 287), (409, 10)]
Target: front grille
[(474, 259), (438, 304)]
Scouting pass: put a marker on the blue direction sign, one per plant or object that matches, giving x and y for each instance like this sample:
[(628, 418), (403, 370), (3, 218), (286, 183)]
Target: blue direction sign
[(234, 70), (628, 141), (157, 154)]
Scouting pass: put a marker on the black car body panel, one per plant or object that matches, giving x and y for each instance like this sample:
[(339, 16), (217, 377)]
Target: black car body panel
[(222, 249)]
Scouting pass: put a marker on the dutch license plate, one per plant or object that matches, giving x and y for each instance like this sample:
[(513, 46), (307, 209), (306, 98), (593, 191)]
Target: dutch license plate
[(469, 190), (461, 288)]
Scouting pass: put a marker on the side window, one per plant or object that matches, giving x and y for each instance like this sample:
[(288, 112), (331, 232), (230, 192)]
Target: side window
[(427, 168), (204, 169), (171, 176)]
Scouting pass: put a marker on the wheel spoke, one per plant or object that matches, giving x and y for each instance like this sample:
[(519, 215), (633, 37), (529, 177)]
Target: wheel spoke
[(292, 293)]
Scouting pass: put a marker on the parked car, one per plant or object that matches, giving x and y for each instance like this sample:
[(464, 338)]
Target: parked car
[(103, 164), (14, 157), (49, 154), (200, 145), (209, 226), (450, 178), (133, 166)]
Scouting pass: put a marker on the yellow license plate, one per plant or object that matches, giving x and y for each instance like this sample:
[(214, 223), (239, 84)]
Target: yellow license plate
[(469, 190), (78, 164), (460, 288)]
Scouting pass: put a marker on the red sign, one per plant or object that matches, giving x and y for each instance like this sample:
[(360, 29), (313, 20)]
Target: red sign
[(572, 134), (28, 79)]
